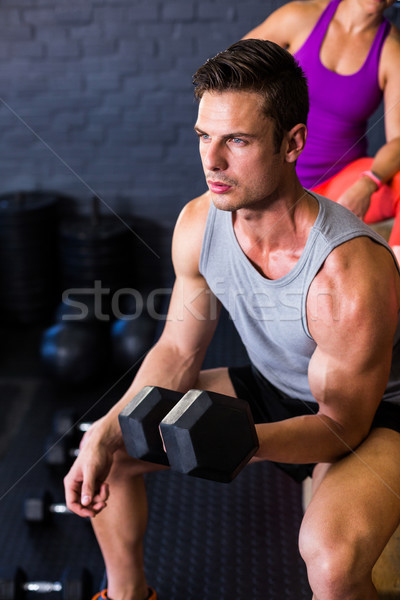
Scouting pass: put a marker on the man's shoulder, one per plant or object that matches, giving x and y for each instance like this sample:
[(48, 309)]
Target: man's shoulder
[(194, 214), (198, 206), (189, 231), (358, 280), (354, 251), (361, 260)]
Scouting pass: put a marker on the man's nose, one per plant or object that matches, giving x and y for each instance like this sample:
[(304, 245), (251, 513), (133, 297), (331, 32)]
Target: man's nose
[(215, 157)]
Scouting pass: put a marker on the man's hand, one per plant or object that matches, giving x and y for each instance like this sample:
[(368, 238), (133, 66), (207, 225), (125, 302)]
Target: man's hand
[(357, 198), (86, 490)]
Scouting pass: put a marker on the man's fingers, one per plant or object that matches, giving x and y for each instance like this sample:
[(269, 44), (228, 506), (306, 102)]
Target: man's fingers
[(80, 490), (91, 487), (86, 498), (72, 488), (104, 492), (99, 500), (94, 506), (98, 507), (84, 512), (86, 492)]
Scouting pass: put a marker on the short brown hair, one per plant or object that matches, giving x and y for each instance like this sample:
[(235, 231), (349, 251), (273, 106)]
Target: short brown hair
[(263, 67)]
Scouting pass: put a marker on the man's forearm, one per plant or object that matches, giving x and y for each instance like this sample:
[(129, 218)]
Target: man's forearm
[(305, 439), (164, 366)]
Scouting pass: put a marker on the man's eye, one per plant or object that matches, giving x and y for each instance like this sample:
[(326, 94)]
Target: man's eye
[(237, 141)]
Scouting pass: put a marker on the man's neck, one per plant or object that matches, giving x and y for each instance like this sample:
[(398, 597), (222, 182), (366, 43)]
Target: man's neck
[(274, 238)]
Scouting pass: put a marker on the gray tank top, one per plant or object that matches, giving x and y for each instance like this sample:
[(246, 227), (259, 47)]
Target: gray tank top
[(270, 315)]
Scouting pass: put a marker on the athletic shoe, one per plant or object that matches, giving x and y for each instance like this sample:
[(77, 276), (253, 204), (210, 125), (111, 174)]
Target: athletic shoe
[(101, 595)]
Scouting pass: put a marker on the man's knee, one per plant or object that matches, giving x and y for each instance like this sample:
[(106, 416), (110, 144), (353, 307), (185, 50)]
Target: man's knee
[(335, 557)]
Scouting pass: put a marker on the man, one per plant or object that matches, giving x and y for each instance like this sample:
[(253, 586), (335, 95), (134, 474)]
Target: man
[(315, 296)]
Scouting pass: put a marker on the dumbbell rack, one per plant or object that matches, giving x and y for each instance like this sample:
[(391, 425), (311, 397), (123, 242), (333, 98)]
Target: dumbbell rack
[(46, 550)]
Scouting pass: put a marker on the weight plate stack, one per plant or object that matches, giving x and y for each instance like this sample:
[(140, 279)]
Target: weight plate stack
[(29, 274), (152, 249), (95, 248)]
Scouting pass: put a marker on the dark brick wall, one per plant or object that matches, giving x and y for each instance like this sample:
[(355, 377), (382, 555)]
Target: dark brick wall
[(97, 96)]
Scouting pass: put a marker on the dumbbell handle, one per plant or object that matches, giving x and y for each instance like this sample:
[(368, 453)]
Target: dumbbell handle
[(70, 426), (42, 587), (84, 427), (60, 509), (70, 452)]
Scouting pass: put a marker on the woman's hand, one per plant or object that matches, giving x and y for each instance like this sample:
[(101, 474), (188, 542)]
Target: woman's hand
[(357, 198)]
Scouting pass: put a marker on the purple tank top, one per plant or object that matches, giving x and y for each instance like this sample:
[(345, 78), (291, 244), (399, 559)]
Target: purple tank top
[(340, 105)]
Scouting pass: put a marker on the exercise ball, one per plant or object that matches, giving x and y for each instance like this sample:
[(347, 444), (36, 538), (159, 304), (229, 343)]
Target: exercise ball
[(72, 353), (131, 339)]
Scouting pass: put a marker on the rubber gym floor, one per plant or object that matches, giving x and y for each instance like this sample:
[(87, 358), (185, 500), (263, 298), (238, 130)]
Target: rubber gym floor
[(205, 540)]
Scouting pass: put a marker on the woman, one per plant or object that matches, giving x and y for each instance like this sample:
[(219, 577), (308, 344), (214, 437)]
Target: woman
[(351, 56)]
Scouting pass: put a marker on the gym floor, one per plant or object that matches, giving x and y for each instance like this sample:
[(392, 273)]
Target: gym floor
[(205, 540)]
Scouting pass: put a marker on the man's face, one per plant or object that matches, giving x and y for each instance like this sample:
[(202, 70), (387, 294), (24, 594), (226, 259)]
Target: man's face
[(237, 150)]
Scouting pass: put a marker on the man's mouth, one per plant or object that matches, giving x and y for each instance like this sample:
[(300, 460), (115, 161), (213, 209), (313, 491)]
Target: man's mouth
[(218, 187)]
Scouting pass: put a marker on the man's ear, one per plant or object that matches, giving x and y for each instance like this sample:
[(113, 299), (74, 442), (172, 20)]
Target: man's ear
[(296, 140)]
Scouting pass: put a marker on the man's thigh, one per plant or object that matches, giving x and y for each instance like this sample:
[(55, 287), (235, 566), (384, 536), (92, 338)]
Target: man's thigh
[(358, 498)]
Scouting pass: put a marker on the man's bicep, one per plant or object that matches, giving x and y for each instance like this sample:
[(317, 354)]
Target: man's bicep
[(192, 315), (194, 310), (348, 389), (354, 329), (193, 307)]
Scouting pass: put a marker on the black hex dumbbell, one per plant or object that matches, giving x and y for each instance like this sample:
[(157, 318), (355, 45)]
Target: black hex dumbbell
[(140, 419), (40, 509), (60, 451), (67, 423), (206, 434), (74, 585), (209, 435)]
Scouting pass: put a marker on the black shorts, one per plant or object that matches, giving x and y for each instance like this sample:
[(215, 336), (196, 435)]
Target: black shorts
[(268, 404)]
